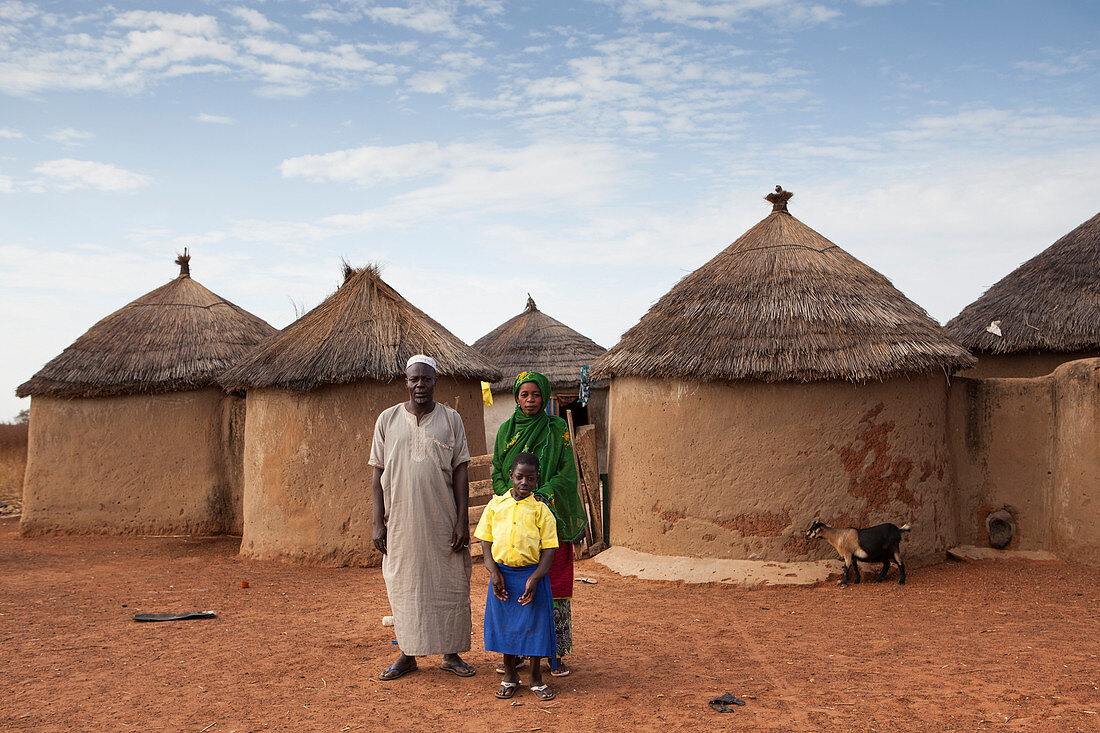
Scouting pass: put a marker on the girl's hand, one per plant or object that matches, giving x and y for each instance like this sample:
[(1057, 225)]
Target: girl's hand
[(528, 592), (498, 586)]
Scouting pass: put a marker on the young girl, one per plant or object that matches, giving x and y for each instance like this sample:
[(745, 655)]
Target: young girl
[(518, 536)]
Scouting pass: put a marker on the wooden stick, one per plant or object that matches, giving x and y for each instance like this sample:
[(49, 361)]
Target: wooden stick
[(580, 479), (586, 454)]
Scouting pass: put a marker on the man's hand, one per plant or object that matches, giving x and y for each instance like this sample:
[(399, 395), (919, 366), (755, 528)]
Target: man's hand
[(460, 537), (498, 586), (529, 591), (378, 511)]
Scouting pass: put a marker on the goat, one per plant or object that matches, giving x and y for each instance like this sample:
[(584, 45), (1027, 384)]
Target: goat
[(874, 544)]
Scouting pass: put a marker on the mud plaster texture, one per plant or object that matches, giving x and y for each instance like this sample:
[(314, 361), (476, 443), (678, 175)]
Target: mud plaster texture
[(149, 464), (1025, 364), (1031, 446), (307, 481), (741, 469), (504, 404)]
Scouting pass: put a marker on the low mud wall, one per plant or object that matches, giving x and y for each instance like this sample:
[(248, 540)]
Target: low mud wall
[(1026, 364), (1031, 446), (741, 469), (150, 464), (307, 481)]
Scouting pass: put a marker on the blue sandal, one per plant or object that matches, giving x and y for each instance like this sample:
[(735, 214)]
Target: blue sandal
[(461, 669), (394, 672)]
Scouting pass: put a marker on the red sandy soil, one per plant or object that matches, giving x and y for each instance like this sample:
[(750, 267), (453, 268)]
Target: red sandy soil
[(966, 647)]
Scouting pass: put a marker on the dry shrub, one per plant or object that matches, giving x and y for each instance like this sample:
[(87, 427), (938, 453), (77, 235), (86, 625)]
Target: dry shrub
[(13, 461)]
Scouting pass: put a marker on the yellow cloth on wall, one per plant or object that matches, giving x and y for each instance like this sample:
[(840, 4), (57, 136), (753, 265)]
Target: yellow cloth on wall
[(486, 394), (519, 530)]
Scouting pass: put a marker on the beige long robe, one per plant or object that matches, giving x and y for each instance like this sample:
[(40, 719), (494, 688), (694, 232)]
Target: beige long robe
[(428, 584)]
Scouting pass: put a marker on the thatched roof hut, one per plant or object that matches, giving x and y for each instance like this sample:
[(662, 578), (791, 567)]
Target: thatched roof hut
[(784, 303), (535, 341), (129, 430), (1041, 314), (364, 331), (314, 393), (783, 380), (177, 338)]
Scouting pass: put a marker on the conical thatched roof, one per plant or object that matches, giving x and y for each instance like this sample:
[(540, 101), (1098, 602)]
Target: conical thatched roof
[(1049, 303), (533, 340), (365, 330), (783, 303), (179, 337)]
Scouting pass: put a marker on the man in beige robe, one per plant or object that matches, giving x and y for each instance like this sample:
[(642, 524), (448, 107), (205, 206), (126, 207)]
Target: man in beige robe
[(421, 499)]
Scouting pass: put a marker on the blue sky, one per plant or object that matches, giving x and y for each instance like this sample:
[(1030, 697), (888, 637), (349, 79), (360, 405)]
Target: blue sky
[(590, 152)]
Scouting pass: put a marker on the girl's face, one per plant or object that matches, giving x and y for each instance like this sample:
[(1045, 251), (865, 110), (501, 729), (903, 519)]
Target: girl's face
[(529, 398), (525, 479)]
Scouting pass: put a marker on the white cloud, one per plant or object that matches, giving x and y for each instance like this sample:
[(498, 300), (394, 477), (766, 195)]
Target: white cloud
[(17, 11), (181, 23), (1059, 63), (369, 164), (330, 15), (70, 137), (8, 133), (996, 126), (131, 51), (420, 17), (67, 174), (215, 119), (644, 85), (725, 14), (254, 19), (435, 82)]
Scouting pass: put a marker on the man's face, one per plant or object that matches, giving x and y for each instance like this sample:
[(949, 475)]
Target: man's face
[(420, 381)]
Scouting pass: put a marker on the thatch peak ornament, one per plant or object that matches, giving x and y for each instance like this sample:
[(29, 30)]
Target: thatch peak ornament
[(184, 261), (779, 199), (530, 304)]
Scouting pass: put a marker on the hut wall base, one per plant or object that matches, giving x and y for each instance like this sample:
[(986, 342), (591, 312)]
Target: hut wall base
[(307, 480), (137, 464), (1031, 446), (739, 470)]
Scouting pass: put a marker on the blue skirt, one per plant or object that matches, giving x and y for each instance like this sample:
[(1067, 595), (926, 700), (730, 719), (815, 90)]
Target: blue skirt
[(521, 630)]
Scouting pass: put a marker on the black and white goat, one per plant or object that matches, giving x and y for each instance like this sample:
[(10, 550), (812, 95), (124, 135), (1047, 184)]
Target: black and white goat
[(874, 544)]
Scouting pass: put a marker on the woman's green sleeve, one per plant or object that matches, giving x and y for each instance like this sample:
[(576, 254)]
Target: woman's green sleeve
[(501, 482)]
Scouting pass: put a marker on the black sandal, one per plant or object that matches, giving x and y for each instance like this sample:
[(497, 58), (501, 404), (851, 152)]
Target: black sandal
[(507, 690)]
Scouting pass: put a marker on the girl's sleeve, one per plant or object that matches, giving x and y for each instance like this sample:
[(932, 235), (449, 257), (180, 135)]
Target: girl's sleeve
[(501, 482), (548, 528)]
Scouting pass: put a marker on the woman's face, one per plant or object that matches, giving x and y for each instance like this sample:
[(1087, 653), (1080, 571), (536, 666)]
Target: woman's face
[(529, 398)]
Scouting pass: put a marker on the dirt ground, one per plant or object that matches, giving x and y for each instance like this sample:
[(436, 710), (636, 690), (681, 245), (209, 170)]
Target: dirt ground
[(963, 647)]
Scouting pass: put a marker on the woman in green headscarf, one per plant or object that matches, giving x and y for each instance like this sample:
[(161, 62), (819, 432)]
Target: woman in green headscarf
[(531, 429)]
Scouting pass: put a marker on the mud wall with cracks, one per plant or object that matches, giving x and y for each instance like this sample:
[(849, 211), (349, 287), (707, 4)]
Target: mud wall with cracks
[(307, 481), (1031, 446), (150, 464), (740, 469)]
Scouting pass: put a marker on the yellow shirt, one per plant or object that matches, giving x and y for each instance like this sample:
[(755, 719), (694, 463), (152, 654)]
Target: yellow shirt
[(519, 530)]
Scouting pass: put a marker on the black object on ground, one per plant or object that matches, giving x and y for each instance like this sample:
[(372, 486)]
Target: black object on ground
[(722, 704), (174, 616)]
